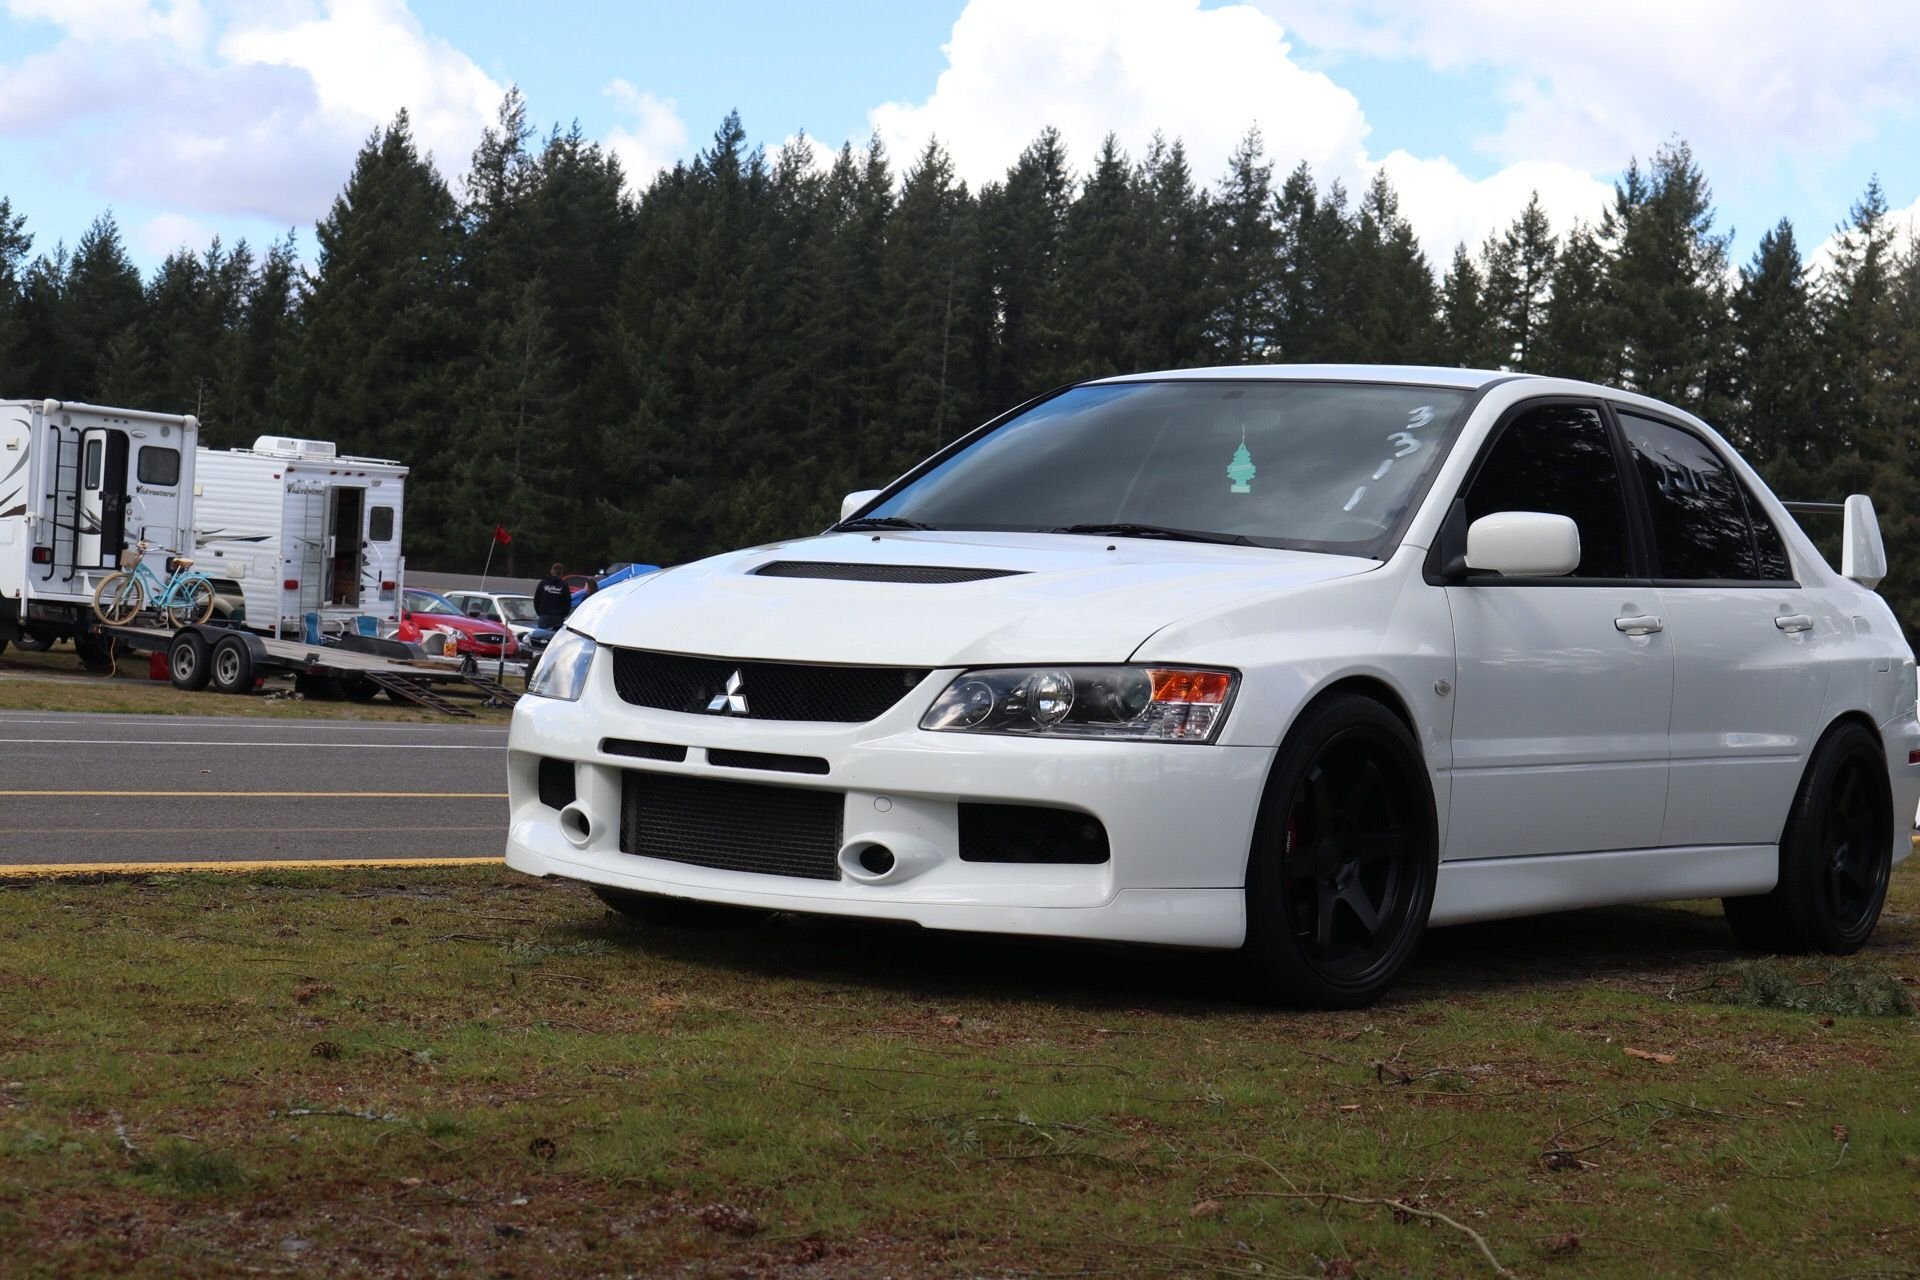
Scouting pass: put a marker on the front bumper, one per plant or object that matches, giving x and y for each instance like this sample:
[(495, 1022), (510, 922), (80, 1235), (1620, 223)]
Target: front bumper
[(1179, 818)]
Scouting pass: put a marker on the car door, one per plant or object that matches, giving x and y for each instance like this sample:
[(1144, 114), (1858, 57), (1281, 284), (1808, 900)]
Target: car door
[(1749, 684), (1564, 684)]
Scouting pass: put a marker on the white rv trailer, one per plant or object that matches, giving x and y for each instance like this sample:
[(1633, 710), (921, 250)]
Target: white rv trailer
[(79, 483), (303, 530)]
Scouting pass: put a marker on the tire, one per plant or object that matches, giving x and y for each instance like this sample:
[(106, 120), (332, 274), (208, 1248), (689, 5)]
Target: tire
[(32, 643), (1836, 853), (192, 604), (663, 912), (1346, 832), (231, 666), (118, 599), (187, 662)]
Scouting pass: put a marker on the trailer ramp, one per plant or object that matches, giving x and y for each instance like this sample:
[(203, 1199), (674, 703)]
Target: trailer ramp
[(494, 690), (419, 691)]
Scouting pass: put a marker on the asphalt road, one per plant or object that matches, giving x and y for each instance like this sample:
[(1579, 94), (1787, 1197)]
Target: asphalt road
[(129, 788)]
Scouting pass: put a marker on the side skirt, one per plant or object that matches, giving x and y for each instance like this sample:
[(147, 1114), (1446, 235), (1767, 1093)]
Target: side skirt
[(1492, 888)]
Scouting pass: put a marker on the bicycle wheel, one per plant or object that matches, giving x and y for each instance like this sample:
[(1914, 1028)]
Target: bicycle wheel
[(119, 599), (192, 601)]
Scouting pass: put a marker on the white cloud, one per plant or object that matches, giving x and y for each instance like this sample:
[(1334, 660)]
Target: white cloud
[(1203, 75), (261, 119), (1590, 85), (1903, 231), (656, 138), (1131, 67), (164, 233)]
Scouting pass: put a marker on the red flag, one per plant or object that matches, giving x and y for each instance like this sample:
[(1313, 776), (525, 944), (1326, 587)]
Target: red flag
[(500, 534)]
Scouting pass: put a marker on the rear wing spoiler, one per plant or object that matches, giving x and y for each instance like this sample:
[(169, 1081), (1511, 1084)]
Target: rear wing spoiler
[(1863, 556)]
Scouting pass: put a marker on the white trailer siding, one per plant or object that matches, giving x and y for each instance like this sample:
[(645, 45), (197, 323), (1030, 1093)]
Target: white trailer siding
[(52, 507), (303, 531)]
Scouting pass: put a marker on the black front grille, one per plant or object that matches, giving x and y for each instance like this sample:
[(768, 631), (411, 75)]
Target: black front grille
[(734, 826), (774, 760), (771, 690), (916, 573), (556, 782), (643, 750), (1030, 833)]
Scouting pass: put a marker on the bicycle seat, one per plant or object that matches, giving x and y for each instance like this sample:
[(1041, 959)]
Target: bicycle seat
[(176, 564)]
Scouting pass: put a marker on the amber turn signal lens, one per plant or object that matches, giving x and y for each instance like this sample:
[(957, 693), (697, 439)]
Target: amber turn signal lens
[(1205, 687)]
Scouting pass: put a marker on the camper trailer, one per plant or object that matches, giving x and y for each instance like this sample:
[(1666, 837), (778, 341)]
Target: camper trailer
[(303, 530), (79, 484)]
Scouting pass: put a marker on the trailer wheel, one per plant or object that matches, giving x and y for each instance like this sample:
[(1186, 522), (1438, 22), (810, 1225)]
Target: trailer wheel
[(31, 643), (187, 662), (232, 666)]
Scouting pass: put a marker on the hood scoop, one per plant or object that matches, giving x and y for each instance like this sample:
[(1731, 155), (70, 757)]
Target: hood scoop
[(840, 572)]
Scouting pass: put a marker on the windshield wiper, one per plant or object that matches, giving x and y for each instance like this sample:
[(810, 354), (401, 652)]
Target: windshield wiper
[(877, 522), (1129, 530)]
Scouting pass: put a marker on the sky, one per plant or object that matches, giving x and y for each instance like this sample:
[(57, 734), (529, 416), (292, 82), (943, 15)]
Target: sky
[(190, 118)]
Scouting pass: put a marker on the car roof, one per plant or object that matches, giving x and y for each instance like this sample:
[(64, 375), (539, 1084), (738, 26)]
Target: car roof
[(1419, 375)]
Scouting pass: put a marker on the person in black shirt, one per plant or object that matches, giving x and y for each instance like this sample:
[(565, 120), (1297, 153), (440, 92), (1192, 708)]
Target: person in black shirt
[(552, 602)]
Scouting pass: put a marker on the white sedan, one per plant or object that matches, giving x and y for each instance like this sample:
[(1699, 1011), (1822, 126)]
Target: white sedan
[(1295, 660)]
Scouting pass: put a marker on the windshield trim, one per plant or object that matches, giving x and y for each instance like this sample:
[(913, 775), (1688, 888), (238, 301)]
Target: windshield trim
[(1378, 548)]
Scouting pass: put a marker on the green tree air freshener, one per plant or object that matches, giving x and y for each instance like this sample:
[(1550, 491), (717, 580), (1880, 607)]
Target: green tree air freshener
[(1241, 469)]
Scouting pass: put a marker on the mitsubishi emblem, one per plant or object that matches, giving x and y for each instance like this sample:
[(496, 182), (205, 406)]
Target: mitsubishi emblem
[(733, 702)]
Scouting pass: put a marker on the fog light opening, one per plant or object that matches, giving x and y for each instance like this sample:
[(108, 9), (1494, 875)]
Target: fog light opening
[(876, 860), (577, 825)]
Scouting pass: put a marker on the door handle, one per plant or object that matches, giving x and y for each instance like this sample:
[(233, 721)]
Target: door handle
[(1640, 624), (1791, 622)]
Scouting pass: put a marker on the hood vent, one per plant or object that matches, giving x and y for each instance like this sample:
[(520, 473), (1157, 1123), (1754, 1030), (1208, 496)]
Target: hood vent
[(920, 573)]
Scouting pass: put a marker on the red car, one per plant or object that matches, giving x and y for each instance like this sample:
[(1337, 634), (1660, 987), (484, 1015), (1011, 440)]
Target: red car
[(422, 612)]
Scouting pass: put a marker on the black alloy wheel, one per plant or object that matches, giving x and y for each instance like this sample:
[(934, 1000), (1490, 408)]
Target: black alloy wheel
[(1836, 854), (1342, 871)]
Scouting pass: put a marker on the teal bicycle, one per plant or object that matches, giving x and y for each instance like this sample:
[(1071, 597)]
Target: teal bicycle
[(185, 597)]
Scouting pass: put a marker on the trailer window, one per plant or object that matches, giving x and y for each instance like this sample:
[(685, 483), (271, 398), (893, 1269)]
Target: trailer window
[(92, 481), (380, 524), (159, 466)]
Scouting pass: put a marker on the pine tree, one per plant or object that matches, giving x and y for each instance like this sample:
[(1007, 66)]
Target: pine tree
[(1174, 267), (1388, 301), (15, 244), (1465, 334), (1578, 340), (385, 337), (1246, 258), (1518, 266), (1772, 417), (1025, 222), (1665, 285), (1101, 305)]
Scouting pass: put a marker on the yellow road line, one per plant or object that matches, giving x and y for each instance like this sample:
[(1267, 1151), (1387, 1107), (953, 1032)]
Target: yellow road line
[(283, 795), (49, 870)]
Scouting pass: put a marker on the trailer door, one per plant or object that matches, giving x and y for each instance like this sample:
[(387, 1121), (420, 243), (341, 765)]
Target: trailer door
[(103, 498), (383, 552), (345, 523)]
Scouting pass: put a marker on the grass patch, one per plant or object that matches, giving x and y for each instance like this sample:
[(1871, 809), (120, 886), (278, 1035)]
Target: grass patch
[(1837, 988), (55, 681), (190, 1171), (462, 1071)]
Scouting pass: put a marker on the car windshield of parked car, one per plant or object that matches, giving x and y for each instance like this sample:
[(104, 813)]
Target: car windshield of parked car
[(430, 604), (1321, 466), (518, 608)]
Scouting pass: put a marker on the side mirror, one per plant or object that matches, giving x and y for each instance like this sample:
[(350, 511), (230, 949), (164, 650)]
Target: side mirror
[(1524, 544), (856, 500)]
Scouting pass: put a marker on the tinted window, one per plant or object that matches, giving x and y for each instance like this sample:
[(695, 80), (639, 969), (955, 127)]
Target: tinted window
[(1769, 549), (159, 466), (1700, 526), (380, 524), (93, 465), (1559, 459), (1327, 466)]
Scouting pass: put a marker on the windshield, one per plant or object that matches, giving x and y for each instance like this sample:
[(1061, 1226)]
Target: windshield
[(518, 608), (423, 603), (1313, 465)]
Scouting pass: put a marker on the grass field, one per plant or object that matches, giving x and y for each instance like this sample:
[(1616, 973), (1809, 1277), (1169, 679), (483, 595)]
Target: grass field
[(55, 681), (454, 1073)]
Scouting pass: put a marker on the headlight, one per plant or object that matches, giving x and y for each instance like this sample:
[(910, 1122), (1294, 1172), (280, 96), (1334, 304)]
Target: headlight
[(563, 668), (1141, 704)]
